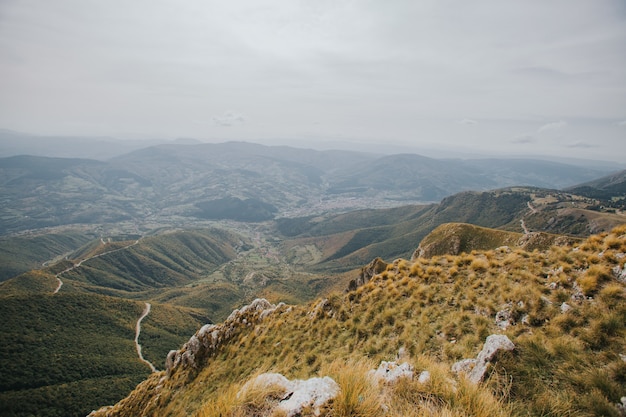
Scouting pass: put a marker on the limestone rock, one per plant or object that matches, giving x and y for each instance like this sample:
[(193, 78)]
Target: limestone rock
[(313, 392), (390, 372), (210, 337), (464, 366), (475, 369), (367, 272)]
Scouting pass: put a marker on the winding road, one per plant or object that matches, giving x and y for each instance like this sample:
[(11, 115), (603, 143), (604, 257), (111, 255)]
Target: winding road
[(523, 223), (57, 276), (146, 311)]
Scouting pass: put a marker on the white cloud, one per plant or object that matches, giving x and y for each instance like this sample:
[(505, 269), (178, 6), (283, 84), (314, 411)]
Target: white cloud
[(467, 122), (523, 139), (228, 119), (582, 144), (552, 126), (622, 123)]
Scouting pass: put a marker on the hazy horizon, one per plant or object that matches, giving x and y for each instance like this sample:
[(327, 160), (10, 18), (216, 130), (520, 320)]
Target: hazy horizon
[(482, 78)]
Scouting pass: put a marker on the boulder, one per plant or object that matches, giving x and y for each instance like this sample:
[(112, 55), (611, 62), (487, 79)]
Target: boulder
[(313, 392), (390, 372), (368, 272), (210, 337), (475, 369)]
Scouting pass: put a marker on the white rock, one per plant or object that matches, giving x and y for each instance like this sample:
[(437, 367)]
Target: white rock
[(390, 372), (493, 344), (565, 307), (313, 392), (464, 366), (424, 377)]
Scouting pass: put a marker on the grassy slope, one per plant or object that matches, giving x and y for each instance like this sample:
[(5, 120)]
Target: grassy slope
[(20, 254), (440, 310), (456, 238)]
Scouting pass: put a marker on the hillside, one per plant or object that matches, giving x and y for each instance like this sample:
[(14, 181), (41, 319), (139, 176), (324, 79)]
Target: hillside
[(563, 309), (611, 190), (457, 238)]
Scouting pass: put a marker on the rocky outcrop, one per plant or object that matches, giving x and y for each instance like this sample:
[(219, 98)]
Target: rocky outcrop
[(367, 272), (475, 369), (206, 342), (298, 394)]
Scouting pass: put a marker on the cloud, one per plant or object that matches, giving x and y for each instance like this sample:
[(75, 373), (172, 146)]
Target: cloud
[(581, 144), (522, 139), (622, 123), (552, 126), (228, 119), (468, 122)]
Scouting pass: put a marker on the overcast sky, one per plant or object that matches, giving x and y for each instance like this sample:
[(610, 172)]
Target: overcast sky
[(516, 77)]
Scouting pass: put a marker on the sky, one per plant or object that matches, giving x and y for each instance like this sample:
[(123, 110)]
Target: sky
[(526, 77)]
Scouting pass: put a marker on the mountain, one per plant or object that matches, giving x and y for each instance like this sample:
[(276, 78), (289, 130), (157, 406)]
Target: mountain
[(611, 190), (244, 182), (561, 312), (17, 143)]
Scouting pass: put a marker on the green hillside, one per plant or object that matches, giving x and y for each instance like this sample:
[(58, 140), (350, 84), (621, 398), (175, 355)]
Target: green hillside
[(22, 253)]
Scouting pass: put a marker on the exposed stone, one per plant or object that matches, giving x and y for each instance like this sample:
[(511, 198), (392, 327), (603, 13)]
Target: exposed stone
[(463, 366), (314, 392), (620, 273), (210, 337), (368, 272), (504, 318), (565, 307), (390, 372), (493, 344), (424, 377), (475, 369), (577, 295)]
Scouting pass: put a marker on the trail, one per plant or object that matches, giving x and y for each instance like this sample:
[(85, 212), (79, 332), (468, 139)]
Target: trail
[(57, 276), (146, 311), (524, 228), (522, 222)]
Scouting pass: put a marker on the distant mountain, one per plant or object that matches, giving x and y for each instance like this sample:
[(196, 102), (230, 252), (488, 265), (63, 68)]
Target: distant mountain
[(611, 190), (239, 180), (16, 143)]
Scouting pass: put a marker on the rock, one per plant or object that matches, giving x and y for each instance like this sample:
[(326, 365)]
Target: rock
[(390, 372), (314, 392), (620, 274), (368, 272), (475, 369), (504, 318), (464, 366), (565, 307), (424, 377), (493, 344), (210, 337)]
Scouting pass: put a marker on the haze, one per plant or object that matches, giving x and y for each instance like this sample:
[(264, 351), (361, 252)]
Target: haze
[(490, 77)]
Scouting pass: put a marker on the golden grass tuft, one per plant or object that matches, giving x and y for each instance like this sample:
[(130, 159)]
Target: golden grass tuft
[(359, 395)]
